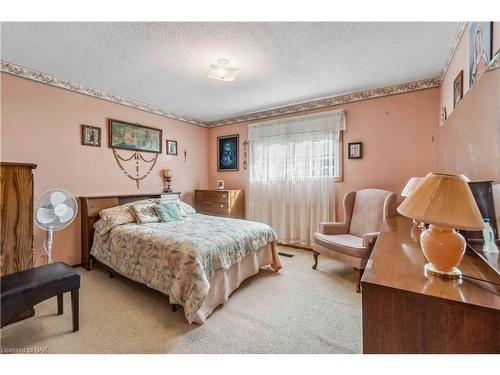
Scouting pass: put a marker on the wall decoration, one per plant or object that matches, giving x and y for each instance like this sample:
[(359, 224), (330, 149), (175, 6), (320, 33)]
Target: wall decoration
[(480, 49), (355, 150), (227, 153), (127, 136), (444, 115), (91, 136), (220, 184), (171, 147), (458, 88), (136, 156), (245, 154), (185, 155)]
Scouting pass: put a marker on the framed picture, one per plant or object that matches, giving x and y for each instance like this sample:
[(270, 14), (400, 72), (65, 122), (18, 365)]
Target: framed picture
[(355, 150), (91, 136), (220, 184), (444, 116), (227, 153), (458, 88), (171, 147), (134, 137), (480, 49)]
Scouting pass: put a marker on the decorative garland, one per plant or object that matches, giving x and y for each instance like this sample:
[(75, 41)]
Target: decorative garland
[(135, 156)]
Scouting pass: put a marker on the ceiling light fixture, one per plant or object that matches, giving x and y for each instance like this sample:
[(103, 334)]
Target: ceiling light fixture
[(221, 72)]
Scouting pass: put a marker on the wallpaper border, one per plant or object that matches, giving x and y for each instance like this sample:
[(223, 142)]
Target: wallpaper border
[(50, 80)]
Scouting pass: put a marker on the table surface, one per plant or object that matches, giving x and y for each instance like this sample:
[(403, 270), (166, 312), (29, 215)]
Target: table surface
[(397, 261)]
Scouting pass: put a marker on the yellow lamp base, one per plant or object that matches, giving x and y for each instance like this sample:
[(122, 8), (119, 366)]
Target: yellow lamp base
[(454, 274)]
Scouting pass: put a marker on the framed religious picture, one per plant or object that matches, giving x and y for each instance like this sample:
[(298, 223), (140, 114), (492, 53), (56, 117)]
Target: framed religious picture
[(355, 150), (134, 137), (91, 136), (227, 153), (458, 88), (480, 49), (171, 147)]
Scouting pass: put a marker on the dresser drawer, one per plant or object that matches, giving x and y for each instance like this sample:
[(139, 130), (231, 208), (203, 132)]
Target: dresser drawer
[(212, 196), (213, 208)]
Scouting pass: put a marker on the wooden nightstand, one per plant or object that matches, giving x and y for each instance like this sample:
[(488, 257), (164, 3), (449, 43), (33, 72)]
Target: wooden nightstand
[(230, 203)]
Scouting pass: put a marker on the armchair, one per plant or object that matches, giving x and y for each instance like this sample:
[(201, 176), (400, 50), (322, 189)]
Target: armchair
[(352, 240)]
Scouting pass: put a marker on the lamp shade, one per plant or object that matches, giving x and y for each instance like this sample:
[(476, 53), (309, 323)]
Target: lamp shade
[(410, 185), (444, 200)]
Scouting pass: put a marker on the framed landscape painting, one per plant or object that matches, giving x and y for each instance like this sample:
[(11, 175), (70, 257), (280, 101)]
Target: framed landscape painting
[(227, 153), (134, 137)]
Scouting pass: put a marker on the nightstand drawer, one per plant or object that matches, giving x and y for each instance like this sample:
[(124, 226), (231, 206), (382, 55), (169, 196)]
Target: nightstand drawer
[(213, 196), (213, 208)]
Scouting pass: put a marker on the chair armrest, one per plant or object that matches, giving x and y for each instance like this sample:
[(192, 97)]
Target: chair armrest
[(369, 239), (332, 228)]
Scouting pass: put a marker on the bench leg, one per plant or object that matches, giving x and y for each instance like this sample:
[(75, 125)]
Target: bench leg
[(60, 304), (75, 309)]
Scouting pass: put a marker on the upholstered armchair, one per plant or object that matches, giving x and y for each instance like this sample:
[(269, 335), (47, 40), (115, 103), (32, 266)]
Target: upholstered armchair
[(352, 240)]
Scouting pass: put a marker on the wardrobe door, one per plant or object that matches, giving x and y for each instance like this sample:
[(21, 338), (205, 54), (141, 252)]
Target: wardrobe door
[(16, 206)]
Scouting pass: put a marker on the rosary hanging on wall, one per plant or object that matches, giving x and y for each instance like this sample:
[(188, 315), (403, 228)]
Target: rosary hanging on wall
[(137, 157)]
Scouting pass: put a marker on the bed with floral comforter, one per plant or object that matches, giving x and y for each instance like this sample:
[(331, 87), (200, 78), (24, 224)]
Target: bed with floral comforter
[(179, 258)]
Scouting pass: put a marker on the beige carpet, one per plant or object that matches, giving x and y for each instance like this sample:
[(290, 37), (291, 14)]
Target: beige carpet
[(296, 311)]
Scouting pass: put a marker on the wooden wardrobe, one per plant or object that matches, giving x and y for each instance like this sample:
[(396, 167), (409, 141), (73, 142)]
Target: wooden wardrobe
[(16, 207)]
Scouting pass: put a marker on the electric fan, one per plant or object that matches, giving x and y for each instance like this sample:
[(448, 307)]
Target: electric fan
[(55, 210)]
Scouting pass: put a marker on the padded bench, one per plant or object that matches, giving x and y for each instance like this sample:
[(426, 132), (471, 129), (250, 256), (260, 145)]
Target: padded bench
[(21, 291)]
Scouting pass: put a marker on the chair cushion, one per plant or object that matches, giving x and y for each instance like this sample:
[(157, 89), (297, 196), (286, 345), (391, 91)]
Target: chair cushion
[(368, 211), (343, 243)]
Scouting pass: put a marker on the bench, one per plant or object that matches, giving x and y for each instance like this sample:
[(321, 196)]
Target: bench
[(21, 291)]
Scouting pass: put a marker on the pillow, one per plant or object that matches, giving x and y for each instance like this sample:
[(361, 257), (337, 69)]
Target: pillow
[(188, 210), (145, 213), (168, 212), (118, 215), (185, 208)]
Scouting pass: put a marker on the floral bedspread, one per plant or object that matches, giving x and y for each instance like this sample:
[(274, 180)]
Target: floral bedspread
[(179, 258)]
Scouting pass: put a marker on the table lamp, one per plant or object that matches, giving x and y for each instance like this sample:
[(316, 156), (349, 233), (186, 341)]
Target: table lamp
[(167, 173), (444, 201), (410, 185)]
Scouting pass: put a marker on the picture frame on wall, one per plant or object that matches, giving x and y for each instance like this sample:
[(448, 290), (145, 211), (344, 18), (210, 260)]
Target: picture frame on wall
[(91, 136), (480, 49), (458, 89), (171, 147), (134, 137), (355, 150), (228, 153)]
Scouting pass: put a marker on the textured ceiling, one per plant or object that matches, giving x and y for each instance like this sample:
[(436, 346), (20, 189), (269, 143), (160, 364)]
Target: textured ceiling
[(165, 64)]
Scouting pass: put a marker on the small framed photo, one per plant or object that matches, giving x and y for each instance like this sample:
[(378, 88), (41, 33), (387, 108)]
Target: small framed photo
[(228, 153), (220, 184), (355, 150), (91, 136), (458, 88), (171, 147)]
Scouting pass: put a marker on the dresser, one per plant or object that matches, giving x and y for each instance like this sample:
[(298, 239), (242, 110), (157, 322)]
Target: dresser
[(405, 311), (230, 203), (16, 207)]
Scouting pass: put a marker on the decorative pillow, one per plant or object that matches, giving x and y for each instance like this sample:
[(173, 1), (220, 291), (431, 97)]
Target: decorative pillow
[(185, 208), (145, 213), (168, 212), (118, 215)]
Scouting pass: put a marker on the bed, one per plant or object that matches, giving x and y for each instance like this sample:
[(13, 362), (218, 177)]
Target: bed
[(197, 261)]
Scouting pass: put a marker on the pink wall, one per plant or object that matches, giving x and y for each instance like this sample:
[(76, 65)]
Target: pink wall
[(41, 124), (396, 132), (460, 61)]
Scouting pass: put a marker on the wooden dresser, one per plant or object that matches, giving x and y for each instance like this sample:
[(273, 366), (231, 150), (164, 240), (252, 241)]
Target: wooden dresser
[(16, 216), (230, 203), (405, 311)]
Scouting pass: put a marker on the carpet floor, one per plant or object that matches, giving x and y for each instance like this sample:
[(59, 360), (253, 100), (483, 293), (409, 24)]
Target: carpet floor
[(296, 311)]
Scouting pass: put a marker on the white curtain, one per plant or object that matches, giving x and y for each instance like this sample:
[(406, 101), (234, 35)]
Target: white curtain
[(293, 163)]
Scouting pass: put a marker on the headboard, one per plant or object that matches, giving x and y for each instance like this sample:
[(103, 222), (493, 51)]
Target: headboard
[(90, 208)]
